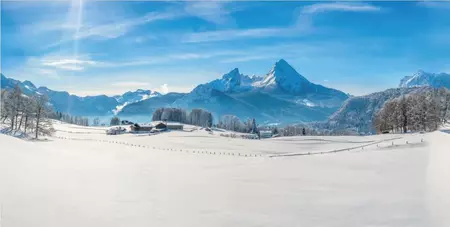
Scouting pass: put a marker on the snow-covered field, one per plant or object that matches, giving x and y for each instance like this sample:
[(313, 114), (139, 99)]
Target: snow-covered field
[(82, 177)]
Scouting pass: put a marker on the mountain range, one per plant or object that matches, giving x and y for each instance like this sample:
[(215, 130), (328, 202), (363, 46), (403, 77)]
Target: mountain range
[(82, 106), (356, 113), (281, 96)]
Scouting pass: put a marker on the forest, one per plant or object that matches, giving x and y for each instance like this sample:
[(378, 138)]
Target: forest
[(424, 111)]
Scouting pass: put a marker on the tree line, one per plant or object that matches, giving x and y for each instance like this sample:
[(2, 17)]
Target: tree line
[(233, 123), (204, 118), (27, 114), (424, 111), (197, 117), (76, 120)]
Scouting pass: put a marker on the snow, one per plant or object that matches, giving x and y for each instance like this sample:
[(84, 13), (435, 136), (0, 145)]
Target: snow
[(306, 102), (421, 78), (284, 76), (133, 97), (119, 108), (233, 81), (100, 180)]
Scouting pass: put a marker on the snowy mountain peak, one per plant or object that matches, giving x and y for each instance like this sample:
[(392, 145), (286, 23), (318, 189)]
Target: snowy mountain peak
[(133, 97), (232, 74), (283, 69), (282, 64), (422, 78), (229, 82), (29, 85), (284, 77), (419, 72), (233, 78)]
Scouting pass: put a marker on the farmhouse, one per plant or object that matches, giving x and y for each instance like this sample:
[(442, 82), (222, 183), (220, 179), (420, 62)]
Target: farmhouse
[(136, 128), (160, 125), (115, 131), (155, 126), (167, 125), (175, 126), (265, 134)]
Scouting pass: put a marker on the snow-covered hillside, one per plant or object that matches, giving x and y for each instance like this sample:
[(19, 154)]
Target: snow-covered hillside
[(135, 96), (147, 106), (85, 178), (132, 97), (357, 113)]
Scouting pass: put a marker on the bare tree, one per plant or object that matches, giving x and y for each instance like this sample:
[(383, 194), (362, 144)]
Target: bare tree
[(3, 111), (43, 125), (95, 123)]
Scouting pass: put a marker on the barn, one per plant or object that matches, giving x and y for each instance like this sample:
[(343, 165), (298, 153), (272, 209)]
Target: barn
[(160, 126), (136, 128), (175, 126)]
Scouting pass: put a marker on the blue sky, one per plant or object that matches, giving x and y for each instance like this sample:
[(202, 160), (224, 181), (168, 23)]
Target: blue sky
[(90, 48)]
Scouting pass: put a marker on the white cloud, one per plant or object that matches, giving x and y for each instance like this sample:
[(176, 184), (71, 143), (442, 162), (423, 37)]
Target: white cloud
[(72, 64), (128, 84), (140, 39), (232, 34), (47, 73), (152, 60), (212, 11), (111, 30), (164, 89), (347, 7), (435, 5), (114, 30), (84, 62)]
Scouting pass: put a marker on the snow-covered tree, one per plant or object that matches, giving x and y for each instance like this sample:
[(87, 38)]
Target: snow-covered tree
[(43, 125), (198, 117), (232, 123), (423, 111)]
